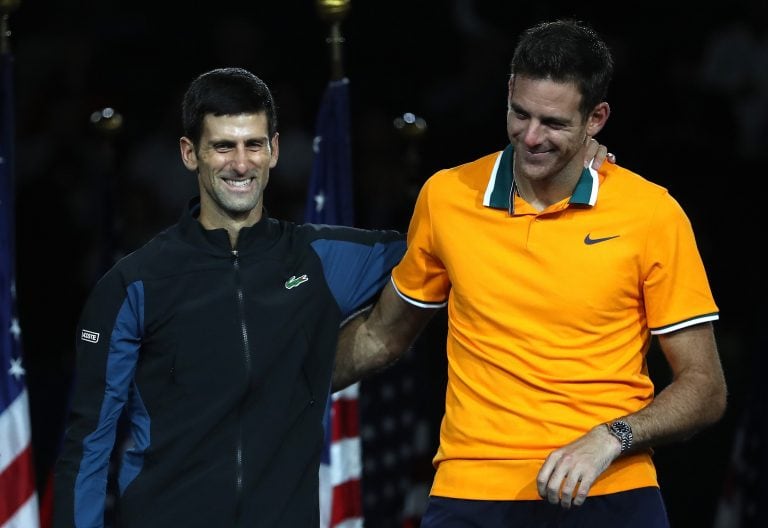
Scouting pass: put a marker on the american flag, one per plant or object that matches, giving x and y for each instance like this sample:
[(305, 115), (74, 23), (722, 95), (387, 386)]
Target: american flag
[(18, 497), (330, 201)]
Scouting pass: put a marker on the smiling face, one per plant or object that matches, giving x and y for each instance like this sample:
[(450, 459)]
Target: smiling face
[(232, 163), (548, 130)]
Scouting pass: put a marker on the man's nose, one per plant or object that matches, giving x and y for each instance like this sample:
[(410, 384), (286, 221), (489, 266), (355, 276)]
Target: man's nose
[(240, 161)]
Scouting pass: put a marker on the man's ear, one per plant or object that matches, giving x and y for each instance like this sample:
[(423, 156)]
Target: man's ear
[(597, 118), (188, 154), (275, 150)]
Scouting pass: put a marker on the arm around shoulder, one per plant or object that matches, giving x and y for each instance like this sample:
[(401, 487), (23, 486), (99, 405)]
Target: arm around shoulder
[(374, 340)]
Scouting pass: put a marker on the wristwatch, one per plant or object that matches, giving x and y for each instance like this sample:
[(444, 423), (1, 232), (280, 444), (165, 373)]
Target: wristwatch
[(621, 430)]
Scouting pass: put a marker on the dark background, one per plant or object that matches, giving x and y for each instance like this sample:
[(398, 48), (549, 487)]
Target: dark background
[(689, 111)]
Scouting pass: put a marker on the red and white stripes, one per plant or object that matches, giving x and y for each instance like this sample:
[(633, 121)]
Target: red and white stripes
[(18, 497), (340, 480)]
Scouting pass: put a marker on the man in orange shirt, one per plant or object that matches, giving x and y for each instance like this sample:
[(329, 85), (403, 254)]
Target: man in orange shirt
[(556, 278)]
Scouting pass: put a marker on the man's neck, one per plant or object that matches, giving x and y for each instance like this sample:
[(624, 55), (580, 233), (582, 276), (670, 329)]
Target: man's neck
[(542, 193)]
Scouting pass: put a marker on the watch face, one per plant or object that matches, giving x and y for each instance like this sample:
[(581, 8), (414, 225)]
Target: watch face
[(621, 430), (621, 427)]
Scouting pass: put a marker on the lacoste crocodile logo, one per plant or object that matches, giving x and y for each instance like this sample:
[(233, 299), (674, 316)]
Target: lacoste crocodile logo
[(295, 281), (589, 241)]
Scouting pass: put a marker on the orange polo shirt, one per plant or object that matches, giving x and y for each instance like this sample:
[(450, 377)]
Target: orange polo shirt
[(550, 316)]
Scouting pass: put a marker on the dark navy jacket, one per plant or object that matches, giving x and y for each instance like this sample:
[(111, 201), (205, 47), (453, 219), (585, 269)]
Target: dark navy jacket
[(222, 362)]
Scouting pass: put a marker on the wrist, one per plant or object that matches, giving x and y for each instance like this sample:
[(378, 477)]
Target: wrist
[(621, 431)]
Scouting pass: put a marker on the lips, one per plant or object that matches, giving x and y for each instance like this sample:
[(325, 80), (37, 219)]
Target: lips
[(536, 154)]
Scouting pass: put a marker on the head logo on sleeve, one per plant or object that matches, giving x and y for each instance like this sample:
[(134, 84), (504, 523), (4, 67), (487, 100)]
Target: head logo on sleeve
[(91, 337)]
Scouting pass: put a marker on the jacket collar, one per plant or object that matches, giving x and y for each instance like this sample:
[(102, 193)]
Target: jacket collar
[(501, 188), (258, 236)]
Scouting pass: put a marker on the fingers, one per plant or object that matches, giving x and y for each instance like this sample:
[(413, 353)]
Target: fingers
[(593, 152), (602, 155), (581, 493), (558, 489), (543, 478), (563, 481), (554, 483), (597, 154), (568, 473), (566, 487), (568, 491)]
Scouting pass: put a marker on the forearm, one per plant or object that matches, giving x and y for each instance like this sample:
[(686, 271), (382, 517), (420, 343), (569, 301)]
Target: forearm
[(367, 354), (683, 408), (694, 400), (372, 341)]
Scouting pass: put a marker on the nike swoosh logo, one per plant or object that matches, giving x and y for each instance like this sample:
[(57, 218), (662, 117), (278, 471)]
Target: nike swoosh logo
[(589, 241)]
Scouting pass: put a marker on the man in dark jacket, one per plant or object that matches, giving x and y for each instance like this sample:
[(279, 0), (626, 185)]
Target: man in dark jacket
[(216, 339)]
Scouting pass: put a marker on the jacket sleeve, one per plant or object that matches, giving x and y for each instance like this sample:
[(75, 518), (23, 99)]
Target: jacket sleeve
[(358, 263), (108, 337)]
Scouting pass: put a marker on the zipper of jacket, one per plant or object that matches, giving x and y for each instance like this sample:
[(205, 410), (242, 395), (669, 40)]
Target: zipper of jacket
[(247, 360)]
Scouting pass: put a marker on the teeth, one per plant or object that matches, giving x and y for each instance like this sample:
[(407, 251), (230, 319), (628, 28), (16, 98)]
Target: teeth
[(239, 183)]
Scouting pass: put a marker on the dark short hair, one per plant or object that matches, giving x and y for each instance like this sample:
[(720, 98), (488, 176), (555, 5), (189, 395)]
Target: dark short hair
[(566, 50), (225, 91)]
